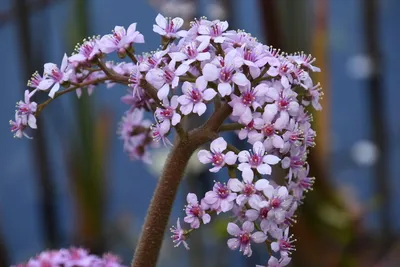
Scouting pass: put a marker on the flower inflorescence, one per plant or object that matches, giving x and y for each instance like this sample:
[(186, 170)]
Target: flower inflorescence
[(270, 93), (77, 257)]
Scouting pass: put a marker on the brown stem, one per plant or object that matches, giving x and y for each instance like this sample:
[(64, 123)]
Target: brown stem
[(149, 245)]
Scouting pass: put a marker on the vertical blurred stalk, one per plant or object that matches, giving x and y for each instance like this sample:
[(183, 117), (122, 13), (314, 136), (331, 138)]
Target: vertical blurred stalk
[(4, 257), (87, 152), (46, 195), (377, 116)]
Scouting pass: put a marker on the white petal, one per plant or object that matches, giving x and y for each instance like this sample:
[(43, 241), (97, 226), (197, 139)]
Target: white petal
[(258, 237), (161, 21), (248, 175), (199, 108), (264, 169), (224, 89), (233, 229), (218, 144), (240, 79), (235, 185), (204, 156), (210, 72), (271, 159)]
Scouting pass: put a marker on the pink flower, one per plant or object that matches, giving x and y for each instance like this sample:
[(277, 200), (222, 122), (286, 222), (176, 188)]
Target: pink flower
[(179, 236), (18, 126), (85, 52), (243, 237), (120, 39), (246, 188), (166, 78), (279, 201), (27, 109), (226, 73), (160, 131), (195, 212), (242, 105), (220, 198), (257, 159), (284, 243), (169, 27), (35, 80), (192, 100), (168, 112), (274, 262), (216, 157), (213, 31), (55, 76), (191, 52)]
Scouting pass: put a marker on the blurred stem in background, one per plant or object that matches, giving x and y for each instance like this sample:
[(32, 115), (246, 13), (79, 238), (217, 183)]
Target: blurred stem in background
[(377, 115), (4, 256), (87, 157), (286, 24), (47, 199)]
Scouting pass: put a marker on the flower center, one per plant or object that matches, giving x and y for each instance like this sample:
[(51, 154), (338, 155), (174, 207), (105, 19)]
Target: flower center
[(283, 104), (196, 211), (264, 212), (169, 76), (285, 245), (255, 160), (248, 98), (275, 203), (248, 189), (218, 159), (223, 192), (167, 113), (225, 75), (196, 95), (269, 130), (244, 238), (56, 75)]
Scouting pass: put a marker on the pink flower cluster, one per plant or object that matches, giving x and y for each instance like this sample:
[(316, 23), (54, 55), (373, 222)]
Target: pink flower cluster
[(73, 257), (271, 95)]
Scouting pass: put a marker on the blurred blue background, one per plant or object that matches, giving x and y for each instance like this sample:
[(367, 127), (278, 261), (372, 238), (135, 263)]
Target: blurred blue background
[(357, 225)]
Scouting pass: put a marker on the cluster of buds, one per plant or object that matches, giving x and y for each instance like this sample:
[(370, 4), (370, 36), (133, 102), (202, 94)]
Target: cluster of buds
[(77, 257), (271, 95)]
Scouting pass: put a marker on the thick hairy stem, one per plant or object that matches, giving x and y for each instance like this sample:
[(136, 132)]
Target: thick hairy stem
[(149, 245), (158, 214)]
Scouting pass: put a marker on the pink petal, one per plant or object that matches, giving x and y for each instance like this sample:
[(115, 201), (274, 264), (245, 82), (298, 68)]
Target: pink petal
[(258, 237), (210, 72), (209, 94), (258, 148), (240, 79), (233, 243), (235, 185), (262, 184), (248, 226), (206, 218), (161, 21), (218, 144), (199, 108), (191, 198), (264, 169), (201, 83), (248, 175), (271, 159), (230, 158), (252, 215), (224, 89), (204, 156), (233, 229)]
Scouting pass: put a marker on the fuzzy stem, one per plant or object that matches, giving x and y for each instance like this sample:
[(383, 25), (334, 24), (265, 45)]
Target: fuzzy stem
[(149, 245)]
